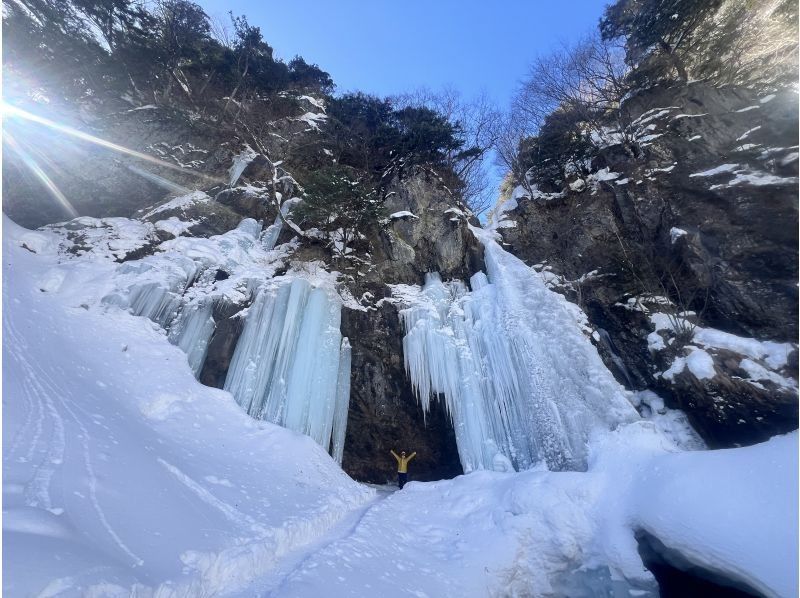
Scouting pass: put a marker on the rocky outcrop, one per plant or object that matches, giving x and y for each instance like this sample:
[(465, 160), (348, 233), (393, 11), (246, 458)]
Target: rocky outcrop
[(695, 200)]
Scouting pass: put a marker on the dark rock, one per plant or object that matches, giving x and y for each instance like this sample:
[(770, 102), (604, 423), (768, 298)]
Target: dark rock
[(248, 203), (736, 265), (384, 413), (678, 577), (229, 326)]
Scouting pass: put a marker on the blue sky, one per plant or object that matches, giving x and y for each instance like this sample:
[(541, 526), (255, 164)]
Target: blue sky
[(384, 47)]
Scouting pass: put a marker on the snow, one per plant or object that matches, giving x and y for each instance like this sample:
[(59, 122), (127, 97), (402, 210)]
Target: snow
[(764, 357), (113, 237), (542, 533), (775, 354), (606, 137), (700, 364), (702, 506), (314, 102), (147, 107), (746, 134), (677, 116), (108, 441), (403, 214), (758, 372), (748, 108), (767, 98), (676, 233), (604, 174), (757, 179), (313, 119), (716, 170), (175, 226), (179, 203)]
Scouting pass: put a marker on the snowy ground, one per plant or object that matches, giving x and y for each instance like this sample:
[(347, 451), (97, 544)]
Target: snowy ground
[(123, 475)]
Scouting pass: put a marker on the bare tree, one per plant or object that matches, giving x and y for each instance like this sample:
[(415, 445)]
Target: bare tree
[(587, 77), (478, 122), (687, 285)]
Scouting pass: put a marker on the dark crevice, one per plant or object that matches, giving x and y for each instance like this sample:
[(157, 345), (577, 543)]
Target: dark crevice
[(680, 578)]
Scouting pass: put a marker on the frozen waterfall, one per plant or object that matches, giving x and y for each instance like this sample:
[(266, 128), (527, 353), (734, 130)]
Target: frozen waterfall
[(291, 365), (520, 380)]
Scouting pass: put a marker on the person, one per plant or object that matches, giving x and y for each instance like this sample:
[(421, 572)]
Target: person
[(402, 466)]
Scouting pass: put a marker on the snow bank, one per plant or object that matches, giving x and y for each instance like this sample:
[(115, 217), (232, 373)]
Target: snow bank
[(542, 533), (732, 512)]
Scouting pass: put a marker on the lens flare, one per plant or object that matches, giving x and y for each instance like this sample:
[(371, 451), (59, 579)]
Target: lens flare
[(11, 111), (40, 174)]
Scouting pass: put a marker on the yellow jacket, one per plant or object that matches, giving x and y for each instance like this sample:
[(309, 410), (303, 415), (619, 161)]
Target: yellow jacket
[(402, 462)]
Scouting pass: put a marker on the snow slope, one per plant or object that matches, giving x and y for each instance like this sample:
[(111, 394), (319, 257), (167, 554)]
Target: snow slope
[(120, 470)]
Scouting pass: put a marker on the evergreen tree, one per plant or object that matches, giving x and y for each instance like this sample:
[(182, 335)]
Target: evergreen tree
[(663, 28), (341, 202)]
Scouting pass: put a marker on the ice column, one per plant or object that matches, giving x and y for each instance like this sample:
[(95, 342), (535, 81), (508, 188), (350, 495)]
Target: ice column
[(192, 331), (156, 287), (519, 378), (342, 401), (289, 364), (270, 235)]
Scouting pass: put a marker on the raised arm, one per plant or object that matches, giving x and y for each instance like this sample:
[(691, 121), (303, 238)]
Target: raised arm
[(395, 455), (412, 455)]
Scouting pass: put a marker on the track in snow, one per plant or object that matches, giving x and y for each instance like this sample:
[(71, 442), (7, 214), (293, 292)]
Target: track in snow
[(272, 584)]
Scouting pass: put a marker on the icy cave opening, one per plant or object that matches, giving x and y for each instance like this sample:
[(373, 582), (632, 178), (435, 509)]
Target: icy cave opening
[(520, 380)]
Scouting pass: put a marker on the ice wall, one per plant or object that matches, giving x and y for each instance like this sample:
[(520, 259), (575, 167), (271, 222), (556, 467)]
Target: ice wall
[(291, 365), (521, 381)]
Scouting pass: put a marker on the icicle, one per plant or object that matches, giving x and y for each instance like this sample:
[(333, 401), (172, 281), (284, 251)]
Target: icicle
[(192, 331), (270, 235), (240, 162), (342, 402), (288, 363), (158, 299), (250, 226)]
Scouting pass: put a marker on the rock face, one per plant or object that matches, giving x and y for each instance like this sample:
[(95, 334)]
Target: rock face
[(186, 155), (384, 413), (701, 206)]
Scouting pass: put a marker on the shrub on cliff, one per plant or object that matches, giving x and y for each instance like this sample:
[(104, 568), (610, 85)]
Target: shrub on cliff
[(342, 203)]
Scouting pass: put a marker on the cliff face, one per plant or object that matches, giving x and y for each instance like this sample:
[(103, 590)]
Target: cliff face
[(677, 236), (698, 206)]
